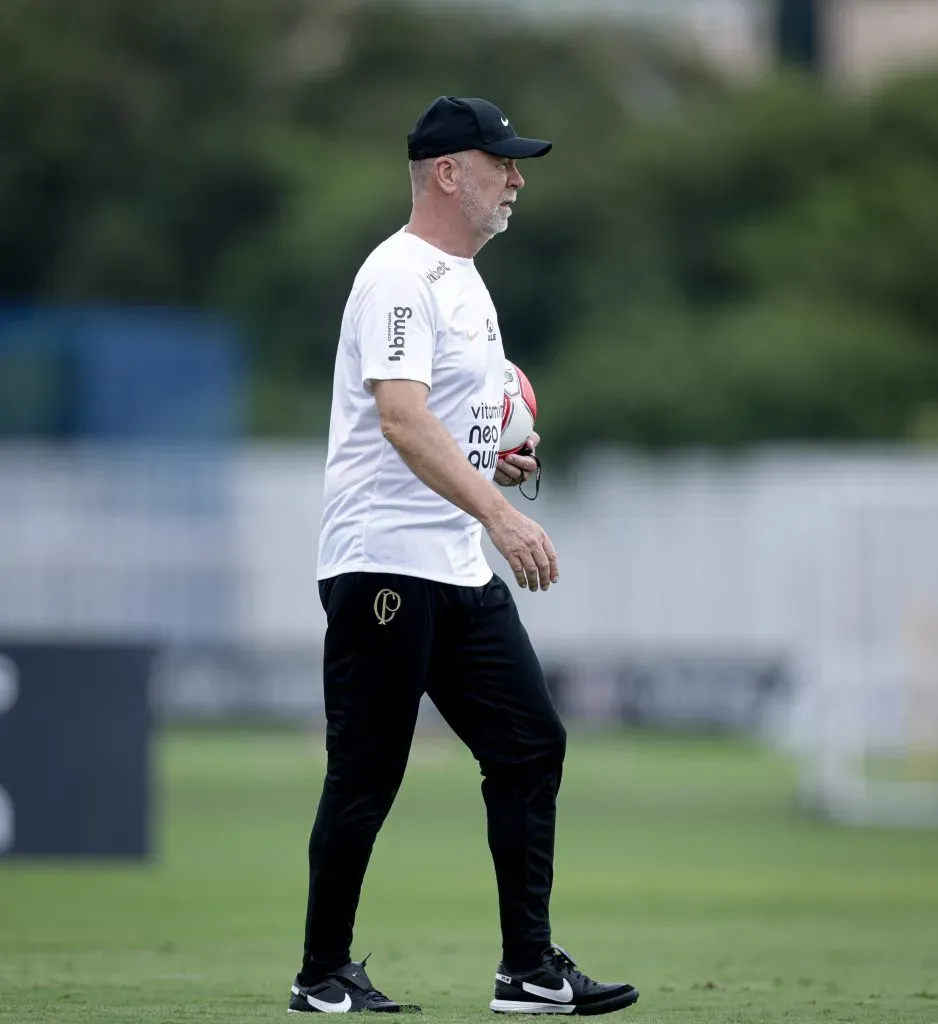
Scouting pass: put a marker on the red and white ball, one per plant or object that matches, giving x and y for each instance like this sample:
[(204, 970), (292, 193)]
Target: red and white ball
[(519, 411)]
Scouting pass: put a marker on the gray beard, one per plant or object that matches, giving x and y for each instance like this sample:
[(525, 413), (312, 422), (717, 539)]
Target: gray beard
[(486, 221)]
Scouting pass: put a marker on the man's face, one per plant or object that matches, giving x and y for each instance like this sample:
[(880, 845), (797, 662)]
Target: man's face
[(490, 186)]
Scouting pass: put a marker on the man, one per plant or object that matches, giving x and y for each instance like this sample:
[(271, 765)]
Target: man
[(412, 607)]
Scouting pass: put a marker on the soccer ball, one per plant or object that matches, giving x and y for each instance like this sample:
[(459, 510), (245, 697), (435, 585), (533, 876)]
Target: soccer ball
[(519, 410)]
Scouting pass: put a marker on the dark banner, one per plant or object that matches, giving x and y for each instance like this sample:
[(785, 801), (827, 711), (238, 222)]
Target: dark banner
[(700, 691), (74, 750), (694, 690)]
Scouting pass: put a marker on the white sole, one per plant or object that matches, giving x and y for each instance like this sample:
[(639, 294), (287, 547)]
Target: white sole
[(291, 1010), (512, 1006)]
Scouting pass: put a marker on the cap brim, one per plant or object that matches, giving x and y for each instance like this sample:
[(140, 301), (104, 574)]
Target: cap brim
[(518, 148)]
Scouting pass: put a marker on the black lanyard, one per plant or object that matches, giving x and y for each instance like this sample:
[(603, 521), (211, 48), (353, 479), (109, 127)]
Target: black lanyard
[(537, 475)]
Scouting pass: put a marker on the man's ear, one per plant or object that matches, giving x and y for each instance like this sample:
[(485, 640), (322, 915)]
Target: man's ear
[(447, 172)]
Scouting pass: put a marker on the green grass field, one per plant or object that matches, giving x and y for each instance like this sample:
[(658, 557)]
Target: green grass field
[(682, 866)]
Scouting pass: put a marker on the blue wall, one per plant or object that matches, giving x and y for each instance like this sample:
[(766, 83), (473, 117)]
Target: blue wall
[(129, 374)]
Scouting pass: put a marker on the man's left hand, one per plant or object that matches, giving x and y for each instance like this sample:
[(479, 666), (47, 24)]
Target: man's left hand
[(517, 469)]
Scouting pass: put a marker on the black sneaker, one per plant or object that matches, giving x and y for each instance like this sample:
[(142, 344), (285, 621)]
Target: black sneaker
[(558, 987), (346, 990)]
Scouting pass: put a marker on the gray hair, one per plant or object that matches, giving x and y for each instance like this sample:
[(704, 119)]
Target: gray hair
[(421, 171)]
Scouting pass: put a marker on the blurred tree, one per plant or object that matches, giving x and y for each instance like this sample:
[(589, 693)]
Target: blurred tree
[(127, 167), (773, 281), (696, 262)]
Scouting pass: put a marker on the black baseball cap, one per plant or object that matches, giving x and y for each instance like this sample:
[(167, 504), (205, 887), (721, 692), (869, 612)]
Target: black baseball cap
[(451, 125)]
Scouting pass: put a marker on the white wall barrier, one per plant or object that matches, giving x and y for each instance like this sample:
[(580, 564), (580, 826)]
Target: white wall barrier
[(687, 583)]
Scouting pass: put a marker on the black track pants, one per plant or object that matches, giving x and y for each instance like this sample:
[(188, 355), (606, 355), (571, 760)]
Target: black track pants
[(389, 640)]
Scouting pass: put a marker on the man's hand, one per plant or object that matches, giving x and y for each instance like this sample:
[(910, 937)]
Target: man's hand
[(434, 457), (526, 548), (517, 469)]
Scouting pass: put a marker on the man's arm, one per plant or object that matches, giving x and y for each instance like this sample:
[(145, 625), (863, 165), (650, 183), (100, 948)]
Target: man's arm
[(432, 454)]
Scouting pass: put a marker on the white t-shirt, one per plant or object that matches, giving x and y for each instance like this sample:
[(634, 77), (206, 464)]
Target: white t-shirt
[(414, 313)]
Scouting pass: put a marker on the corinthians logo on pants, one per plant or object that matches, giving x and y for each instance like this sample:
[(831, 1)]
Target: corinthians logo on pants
[(386, 605)]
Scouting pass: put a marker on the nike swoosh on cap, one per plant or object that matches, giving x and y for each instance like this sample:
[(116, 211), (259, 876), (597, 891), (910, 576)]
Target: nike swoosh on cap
[(559, 995)]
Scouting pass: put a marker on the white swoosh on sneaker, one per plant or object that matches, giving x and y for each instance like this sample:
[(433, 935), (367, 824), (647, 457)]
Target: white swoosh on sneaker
[(324, 1007), (559, 995)]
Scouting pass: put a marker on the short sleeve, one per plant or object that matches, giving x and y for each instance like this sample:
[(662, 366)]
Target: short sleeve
[(395, 327)]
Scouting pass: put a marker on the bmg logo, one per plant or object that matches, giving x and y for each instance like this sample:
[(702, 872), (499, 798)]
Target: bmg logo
[(397, 331), (9, 693)]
